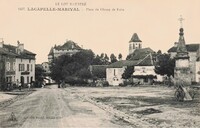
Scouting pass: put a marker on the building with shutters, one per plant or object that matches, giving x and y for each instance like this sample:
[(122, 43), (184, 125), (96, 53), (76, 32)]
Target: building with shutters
[(17, 63)]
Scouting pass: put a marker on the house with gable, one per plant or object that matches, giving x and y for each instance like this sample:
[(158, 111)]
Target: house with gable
[(17, 63), (141, 58), (115, 70), (145, 70)]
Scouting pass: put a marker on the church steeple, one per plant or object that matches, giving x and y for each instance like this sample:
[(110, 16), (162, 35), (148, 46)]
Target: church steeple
[(134, 43), (181, 47)]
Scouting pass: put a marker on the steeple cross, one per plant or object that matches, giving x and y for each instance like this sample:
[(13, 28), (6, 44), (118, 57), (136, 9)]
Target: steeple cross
[(181, 20)]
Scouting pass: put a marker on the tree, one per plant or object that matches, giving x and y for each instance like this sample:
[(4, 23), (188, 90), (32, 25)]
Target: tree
[(128, 72), (97, 60), (120, 56), (102, 56), (39, 75), (106, 59), (71, 66), (159, 52), (84, 74), (101, 60), (113, 58), (165, 65)]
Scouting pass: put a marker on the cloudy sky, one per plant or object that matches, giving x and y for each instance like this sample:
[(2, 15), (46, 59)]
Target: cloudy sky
[(155, 22)]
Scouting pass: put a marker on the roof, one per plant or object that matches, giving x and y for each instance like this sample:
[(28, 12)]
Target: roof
[(6, 52), (189, 47), (122, 63), (94, 68), (135, 38), (69, 45), (11, 50), (147, 61), (139, 54)]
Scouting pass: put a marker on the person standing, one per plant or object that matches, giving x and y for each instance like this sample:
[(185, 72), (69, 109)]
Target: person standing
[(19, 85), (29, 86)]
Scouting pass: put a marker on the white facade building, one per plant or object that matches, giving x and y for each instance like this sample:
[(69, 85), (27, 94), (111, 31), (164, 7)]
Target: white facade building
[(21, 66), (115, 70), (25, 70), (68, 48)]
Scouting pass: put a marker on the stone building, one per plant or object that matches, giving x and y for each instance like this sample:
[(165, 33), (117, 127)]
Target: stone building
[(115, 70), (141, 58), (45, 67), (17, 63), (134, 43), (69, 48)]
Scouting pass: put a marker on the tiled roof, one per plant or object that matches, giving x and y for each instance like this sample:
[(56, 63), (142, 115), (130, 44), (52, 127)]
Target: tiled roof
[(189, 47), (11, 50), (139, 54), (122, 63), (69, 45), (147, 61), (94, 68), (135, 38), (4, 51)]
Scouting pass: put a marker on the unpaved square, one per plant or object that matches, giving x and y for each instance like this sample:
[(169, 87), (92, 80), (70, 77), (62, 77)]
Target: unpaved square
[(155, 105)]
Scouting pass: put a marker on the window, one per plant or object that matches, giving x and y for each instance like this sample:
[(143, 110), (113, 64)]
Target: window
[(8, 66), (114, 72), (31, 67), (27, 67), (133, 46), (14, 66), (27, 79), (21, 67)]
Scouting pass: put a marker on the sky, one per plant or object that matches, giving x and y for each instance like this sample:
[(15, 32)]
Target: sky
[(95, 27)]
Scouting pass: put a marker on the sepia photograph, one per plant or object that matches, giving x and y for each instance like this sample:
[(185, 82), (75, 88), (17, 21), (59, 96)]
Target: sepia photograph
[(100, 64)]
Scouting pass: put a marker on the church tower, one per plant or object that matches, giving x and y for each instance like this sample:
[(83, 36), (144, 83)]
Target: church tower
[(134, 43), (182, 69)]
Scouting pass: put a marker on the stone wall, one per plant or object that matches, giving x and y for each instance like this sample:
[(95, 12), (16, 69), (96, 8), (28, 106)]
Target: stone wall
[(182, 76)]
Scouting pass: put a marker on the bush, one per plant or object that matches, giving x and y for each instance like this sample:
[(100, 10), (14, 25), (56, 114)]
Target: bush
[(105, 84), (75, 81), (128, 83), (122, 85)]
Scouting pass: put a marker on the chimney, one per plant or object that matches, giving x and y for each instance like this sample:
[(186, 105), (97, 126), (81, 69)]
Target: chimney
[(20, 47), (1, 43)]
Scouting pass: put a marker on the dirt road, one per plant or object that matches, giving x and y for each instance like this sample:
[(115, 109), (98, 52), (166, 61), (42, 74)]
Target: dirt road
[(55, 107)]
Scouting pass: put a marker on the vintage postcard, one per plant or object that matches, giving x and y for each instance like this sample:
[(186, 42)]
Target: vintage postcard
[(99, 63)]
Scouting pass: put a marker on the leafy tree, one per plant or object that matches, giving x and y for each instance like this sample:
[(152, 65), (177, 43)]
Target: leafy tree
[(101, 60), (84, 74), (39, 75), (165, 65), (66, 65), (113, 58), (106, 59), (159, 52), (128, 72), (102, 56), (120, 56), (99, 73)]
